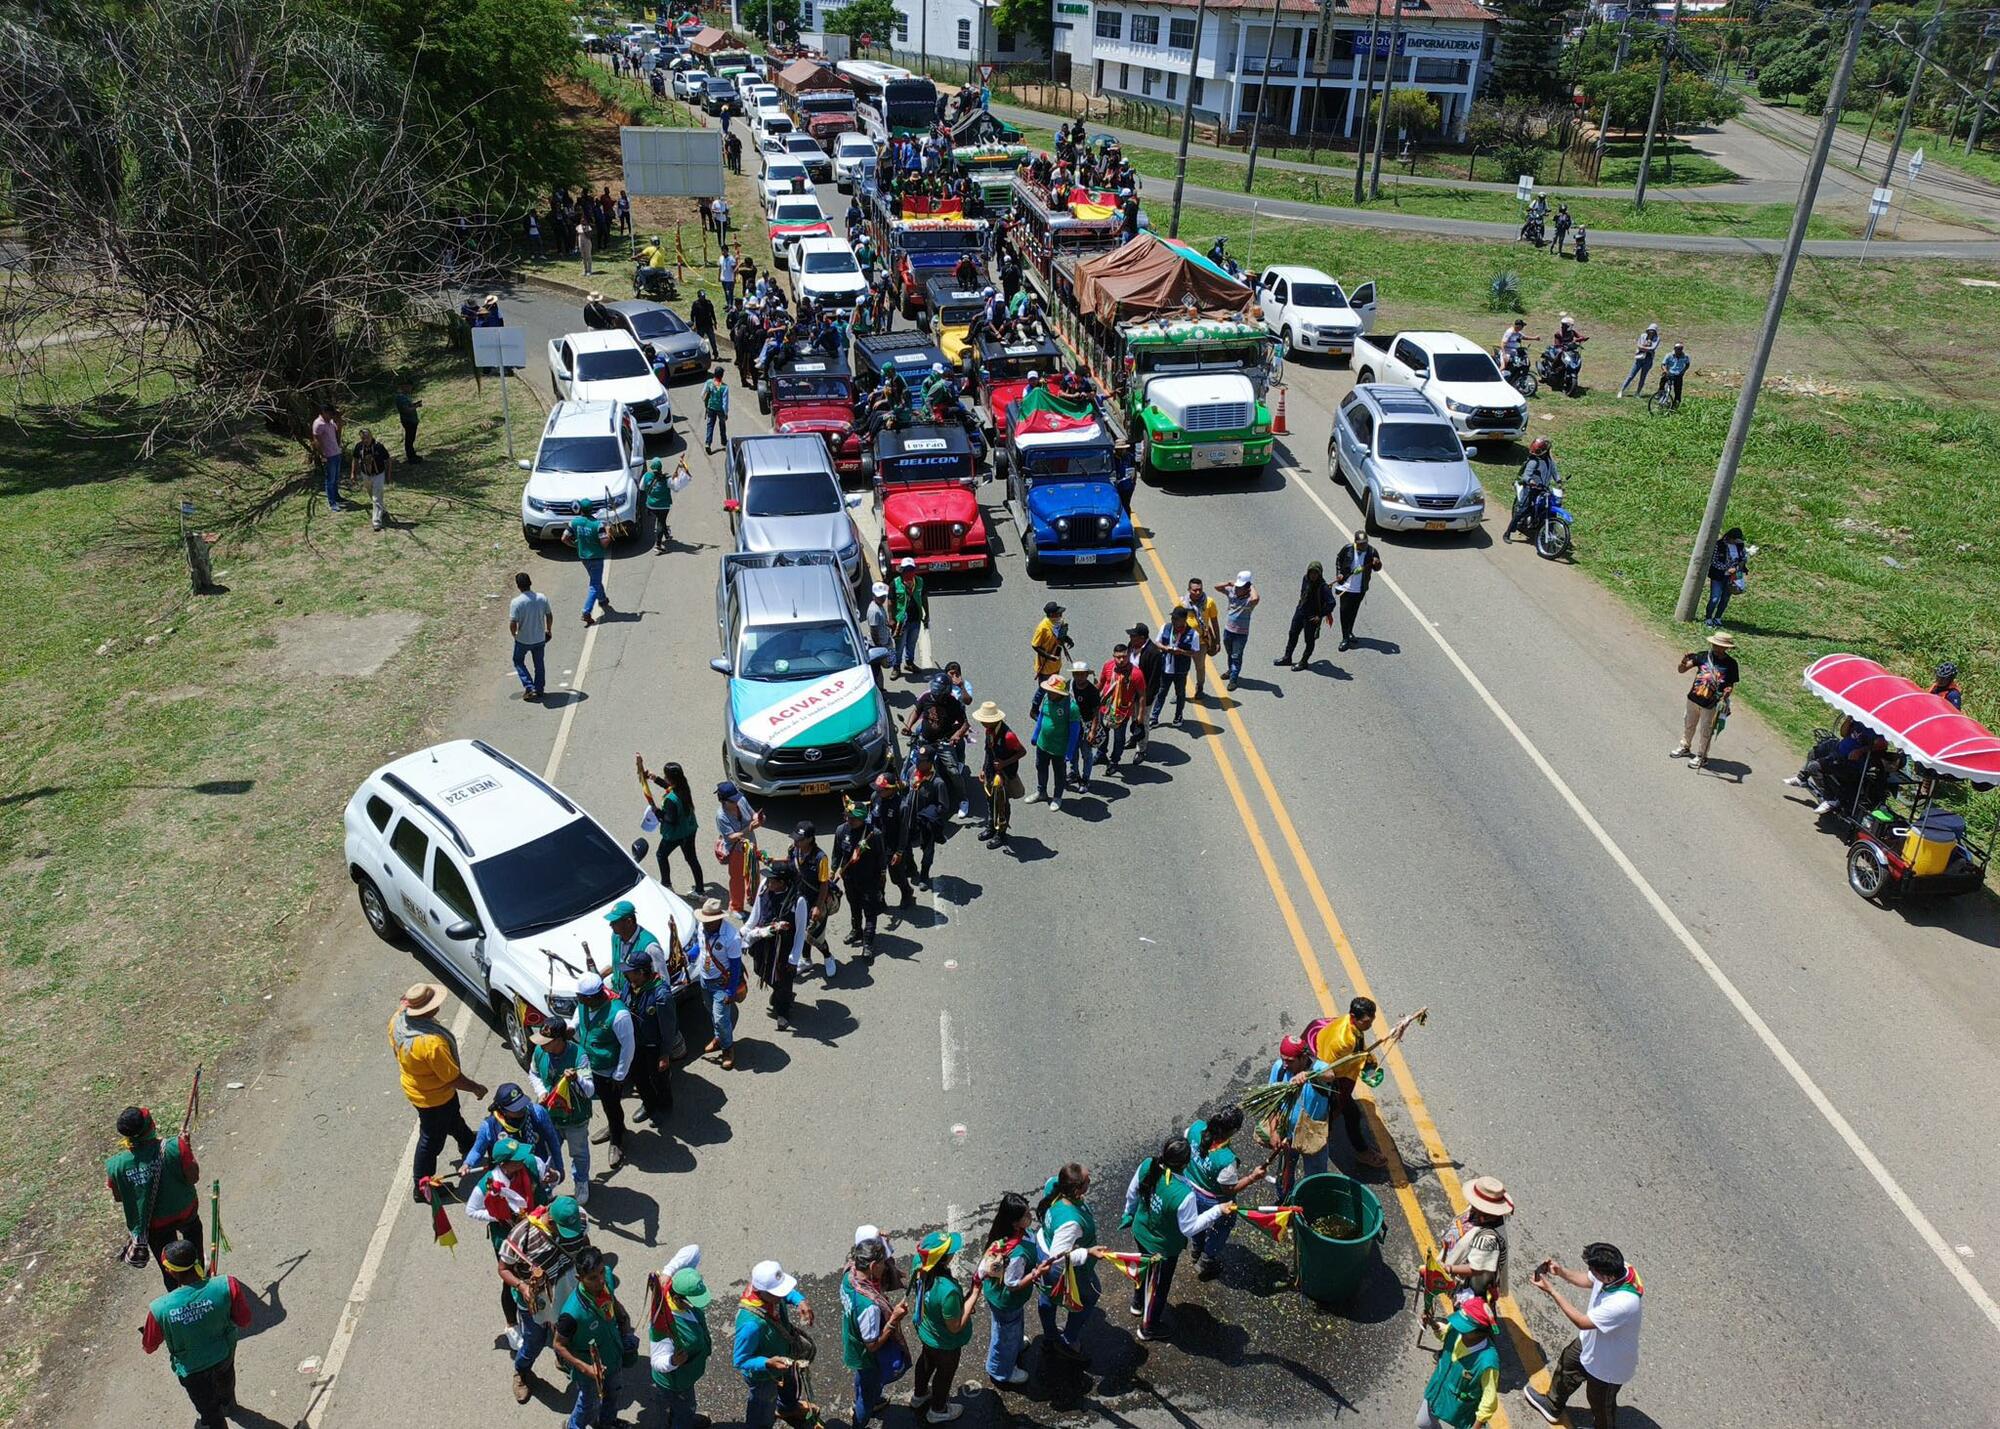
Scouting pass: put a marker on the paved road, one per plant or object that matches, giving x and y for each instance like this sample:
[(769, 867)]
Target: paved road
[(1160, 190), (1856, 165), (1634, 977)]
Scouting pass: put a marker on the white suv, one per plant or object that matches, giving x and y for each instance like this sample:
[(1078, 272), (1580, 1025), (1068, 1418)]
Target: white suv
[(610, 365), (851, 154), (500, 878), (824, 270), (589, 458)]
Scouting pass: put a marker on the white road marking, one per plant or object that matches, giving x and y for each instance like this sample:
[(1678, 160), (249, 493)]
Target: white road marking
[(399, 1192), (954, 1220), (1870, 1162), (951, 1053)]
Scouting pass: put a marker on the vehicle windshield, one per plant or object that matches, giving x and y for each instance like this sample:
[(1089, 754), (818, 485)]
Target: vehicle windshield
[(802, 144), (826, 104), (856, 145), (721, 86), (1418, 441), (1205, 357), (796, 652), (958, 314), (831, 260), (939, 240), (654, 323), (784, 171), (1466, 367), (797, 211), (1318, 295), (928, 467), (785, 493), (1061, 465), (578, 454), (558, 877), (811, 387), (608, 366)]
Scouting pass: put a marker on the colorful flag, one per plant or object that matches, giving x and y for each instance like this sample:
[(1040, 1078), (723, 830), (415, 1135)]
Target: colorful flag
[(1273, 1221), (558, 1098), (441, 1230), (659, 1314), (217, 1241), (1130, 1264), (1434, 1278)]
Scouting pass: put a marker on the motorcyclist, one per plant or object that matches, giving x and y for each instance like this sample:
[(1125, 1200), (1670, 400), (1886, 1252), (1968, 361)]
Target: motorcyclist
[(1567, 340), (1512, 351), (1538, 474)]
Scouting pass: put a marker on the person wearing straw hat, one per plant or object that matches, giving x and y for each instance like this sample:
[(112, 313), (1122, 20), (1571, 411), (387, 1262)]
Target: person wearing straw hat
[(677, 1332), (198, 1320), (558, 1061), (944, 1324), (1000, 770), (717, 964), (1058, 729), (1464, 1387), (871, 1329), (762, 1346), (427, 1058), (1715, 676), (1475, 1247)]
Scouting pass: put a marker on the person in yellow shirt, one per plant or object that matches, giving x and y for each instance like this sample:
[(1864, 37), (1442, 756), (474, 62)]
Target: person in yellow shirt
[(1334, 1044), (1202, 615), (1051, 645), (427, 1058)]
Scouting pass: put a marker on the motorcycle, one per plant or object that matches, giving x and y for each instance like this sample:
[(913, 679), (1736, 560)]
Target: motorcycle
[(1532, 231), (1582, 246), (654, 284), (1562, 367), (1517, 372), (1548, 520)]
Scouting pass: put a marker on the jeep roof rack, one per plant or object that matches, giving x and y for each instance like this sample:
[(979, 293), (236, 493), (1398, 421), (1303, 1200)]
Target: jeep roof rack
[(402, 786)]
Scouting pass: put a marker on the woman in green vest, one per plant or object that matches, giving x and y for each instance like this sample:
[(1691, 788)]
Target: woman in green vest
[(679, 825), (871, 1329), (1068, 1235), (1164, 1214), (1464, 1388), (155, 1183), (198, 1320), (557, 1053), (1007, 1277), (944, 1325), (680, 1339), (1216, 1175), (594, 1339)]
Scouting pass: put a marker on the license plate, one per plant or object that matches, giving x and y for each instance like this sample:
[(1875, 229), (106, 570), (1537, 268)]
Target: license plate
[(1437, 525), (1221, 454), (810, 789)]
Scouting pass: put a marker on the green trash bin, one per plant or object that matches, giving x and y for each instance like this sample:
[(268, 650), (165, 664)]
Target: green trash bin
[(1331, 1270)]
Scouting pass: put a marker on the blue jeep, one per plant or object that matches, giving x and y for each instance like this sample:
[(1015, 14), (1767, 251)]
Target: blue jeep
[(1069, 491)]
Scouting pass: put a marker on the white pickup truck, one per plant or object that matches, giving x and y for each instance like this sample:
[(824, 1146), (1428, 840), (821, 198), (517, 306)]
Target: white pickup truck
[(1456, 373), (1310, 311)]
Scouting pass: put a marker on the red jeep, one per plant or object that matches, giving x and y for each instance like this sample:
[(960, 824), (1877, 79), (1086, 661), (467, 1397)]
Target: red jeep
[(926, 498), (815, 394), (1003, 377)]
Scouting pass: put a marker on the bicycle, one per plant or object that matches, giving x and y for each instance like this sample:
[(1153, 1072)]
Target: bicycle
[(1664, 401)]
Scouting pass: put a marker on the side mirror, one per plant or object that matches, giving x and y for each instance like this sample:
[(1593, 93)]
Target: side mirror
[(639, 847), (879, 654), (525, 464), (732, 506), (1471, 452), (463, 931), (721, 665)]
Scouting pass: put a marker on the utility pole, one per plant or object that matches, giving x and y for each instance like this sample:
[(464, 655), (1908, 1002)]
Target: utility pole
[(1986, 93), (1263, 97), (1760, 359), (1388, 92), (1367, 97), (1624, 39), (1909, 103), (1659, 99), (1187, 119)]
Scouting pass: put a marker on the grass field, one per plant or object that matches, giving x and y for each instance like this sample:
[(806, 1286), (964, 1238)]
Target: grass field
[(175, 765)]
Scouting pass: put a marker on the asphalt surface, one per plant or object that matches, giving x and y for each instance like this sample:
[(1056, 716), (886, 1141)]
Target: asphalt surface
[(1471, 808)]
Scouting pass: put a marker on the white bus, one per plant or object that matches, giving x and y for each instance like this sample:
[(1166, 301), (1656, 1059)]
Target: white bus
[(891, 101)]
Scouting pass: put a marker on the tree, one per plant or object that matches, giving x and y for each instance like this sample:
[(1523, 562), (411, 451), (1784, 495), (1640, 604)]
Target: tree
[(1033, 18), (1525, 64), (873, 18), (247, 194), (1485, 132), (1413, 111), (758, 16)]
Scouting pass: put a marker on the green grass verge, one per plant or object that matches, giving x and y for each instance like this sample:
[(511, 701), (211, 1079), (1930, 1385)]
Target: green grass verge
[(175, 766)]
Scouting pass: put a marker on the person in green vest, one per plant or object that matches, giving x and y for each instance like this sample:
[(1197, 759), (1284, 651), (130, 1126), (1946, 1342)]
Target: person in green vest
[(763, 1347), (1008, 1274), (909, 610), (1058, 731), (198, 1320), (627, 938), (1068, 1235), (944, 1325), (156, 1185), (604, 1030), (680, 826), (871, 1329), (594, 1340), (1464, 1388), (1216, 1175), (560, 1077), (680, 1339), (586, 533), (1164, 1214), (659, 490)]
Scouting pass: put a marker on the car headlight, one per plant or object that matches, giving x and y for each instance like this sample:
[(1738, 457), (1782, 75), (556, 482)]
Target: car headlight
[(1168, 434), (1062, 524), (1104, 525), (958, 528), (1455, 406), (748, 745), (913, 532), (1474, 497), (1394, 497), (562, 1006), (535, 503)]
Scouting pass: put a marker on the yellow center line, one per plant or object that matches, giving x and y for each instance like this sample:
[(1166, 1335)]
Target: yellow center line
[(1442, 1166)]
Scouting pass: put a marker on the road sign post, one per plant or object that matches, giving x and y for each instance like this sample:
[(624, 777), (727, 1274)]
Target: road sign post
[(505, 349), (1878, 204), (1524, 188)]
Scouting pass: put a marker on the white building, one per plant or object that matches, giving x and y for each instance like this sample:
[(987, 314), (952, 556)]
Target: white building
[(955, 31), (1141, 49)]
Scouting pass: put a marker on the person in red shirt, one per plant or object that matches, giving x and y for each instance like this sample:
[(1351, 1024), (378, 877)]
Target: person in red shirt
[(1000, 771), (198, 1321), (1122, 686)]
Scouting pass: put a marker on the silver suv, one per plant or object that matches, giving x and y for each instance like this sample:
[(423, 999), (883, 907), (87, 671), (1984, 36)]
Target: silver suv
[(1403, 461), (784, 495)]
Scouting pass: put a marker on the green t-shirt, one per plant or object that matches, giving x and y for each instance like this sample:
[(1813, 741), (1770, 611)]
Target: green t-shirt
[(588, 532), (943, 1302), (131, 1172)]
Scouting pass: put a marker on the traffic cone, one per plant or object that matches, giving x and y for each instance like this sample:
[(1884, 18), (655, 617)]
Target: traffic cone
[(1278, 428)]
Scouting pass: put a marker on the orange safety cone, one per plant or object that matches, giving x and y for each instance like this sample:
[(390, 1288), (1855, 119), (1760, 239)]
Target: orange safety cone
[(1278, 428)]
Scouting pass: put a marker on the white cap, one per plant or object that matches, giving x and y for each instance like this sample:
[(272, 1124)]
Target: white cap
[(1243, 578), (862, 1233), (768, 1277), (908, 563), (879, 591)]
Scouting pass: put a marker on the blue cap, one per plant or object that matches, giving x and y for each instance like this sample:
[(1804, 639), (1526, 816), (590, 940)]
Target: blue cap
[(509, 1099), (590, 985), (637, 958), (725, 790)]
